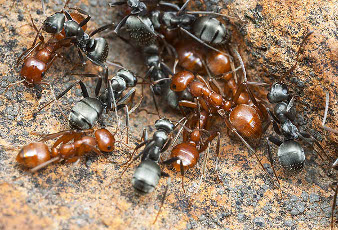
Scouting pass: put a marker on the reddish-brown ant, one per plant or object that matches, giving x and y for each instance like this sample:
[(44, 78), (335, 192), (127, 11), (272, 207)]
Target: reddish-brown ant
[(37, 155), (186, 154)]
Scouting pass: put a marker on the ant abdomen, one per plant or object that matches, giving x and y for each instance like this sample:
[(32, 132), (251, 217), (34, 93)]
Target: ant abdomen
[(190, 56), (218, 63), (187, 154), (291, 155), (146, 176), (247, 121), (33, 154), (32, 70)]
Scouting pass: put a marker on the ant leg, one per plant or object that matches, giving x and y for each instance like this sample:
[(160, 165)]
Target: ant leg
[(189, 104), (27, 53), (327, 101), (136, 105), (44, 164), (131, 160), (203, 169), (334, 205), (13, 84), (155, 102), (85, 21), (100, 29), (299, 51), (172, 160), (144, 136), (113, 4), (116, 64), (81, 11), (112, 102), (66, 4), (54, 97), (216, 87), (128, 96), (308, 139), (268, 147), (204, 43), (171, 5), (182, 174), (212, 13), (127, 122), (42, 39), (120, 24), (251, 150), (98, 87), (164, 194), (59, 96), (183, 7)]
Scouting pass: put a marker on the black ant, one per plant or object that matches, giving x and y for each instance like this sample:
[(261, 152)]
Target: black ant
[(87, 111), (291, 154), (148, 173)]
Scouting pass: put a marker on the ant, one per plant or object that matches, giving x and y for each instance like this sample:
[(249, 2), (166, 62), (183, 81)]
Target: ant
[(186, 154), (37, 155), (64, 34), (87, 111), (206, 30), (35, 67), (291, 153), (148, 173), (243, 114)]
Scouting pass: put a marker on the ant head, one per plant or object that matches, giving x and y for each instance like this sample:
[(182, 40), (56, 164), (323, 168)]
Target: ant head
[(137, 7), (128, 77), (164, 124), (54, 23), (278, 92), (181, 80)]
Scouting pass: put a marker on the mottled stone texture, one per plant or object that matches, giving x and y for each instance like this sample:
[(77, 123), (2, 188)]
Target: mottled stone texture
[(239, 195)]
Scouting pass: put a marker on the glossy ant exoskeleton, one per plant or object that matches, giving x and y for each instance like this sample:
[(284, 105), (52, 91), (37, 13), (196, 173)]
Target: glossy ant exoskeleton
[(186, 154), (37, 155), (87, 111), (148, 173), (242, 119), (291, 154), (65, 33), (206, 30)]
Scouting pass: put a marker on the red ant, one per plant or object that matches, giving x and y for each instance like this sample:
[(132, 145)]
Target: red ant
[(37, 155), (186, 154), (243, 114)]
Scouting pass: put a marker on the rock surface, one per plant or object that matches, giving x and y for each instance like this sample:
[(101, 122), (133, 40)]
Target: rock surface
[(93, 195)]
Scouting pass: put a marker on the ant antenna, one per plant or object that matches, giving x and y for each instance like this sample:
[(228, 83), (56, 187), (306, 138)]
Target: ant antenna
[(302, 44), (241, 63), (164, 196), (327, 101)]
